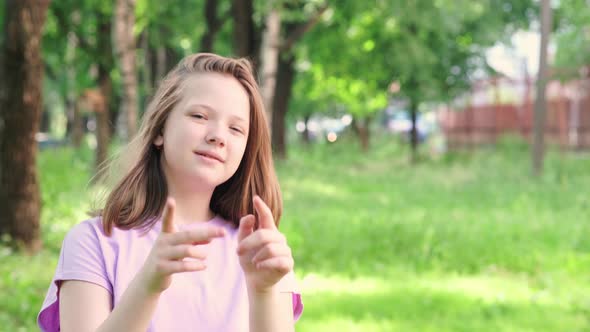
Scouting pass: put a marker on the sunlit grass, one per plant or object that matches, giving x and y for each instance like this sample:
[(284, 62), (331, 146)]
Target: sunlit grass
[(463, 242)]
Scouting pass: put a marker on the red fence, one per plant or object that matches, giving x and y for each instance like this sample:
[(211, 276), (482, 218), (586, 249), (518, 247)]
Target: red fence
[(567, 121)]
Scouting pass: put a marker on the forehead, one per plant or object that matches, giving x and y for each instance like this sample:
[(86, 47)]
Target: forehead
[(221, 92)]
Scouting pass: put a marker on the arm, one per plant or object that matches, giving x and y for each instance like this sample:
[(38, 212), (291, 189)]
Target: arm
[(271, 311), (265, 258), (85, 306)]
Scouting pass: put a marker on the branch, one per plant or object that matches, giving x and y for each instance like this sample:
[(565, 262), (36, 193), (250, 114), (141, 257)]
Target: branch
[(301, 29)]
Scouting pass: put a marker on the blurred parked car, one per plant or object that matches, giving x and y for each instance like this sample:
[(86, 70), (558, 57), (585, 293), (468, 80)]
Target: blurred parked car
[(400, 122), (324, 127)]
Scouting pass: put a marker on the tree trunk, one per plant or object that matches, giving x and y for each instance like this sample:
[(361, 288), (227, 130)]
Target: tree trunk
[(21, 104), (161, 64), (270, 57), (74, 119), (285, 71), (146, 69), (103, 130), (212, 27), (125, 52), (45, 123), (540, 101), (306, 134), (246, 40), (414, 131), (361, 128), (285, 78), (77, 132), (164, 60), (101, 105)]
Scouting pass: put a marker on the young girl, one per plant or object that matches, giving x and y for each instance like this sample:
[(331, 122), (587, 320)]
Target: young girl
[(188, 238)]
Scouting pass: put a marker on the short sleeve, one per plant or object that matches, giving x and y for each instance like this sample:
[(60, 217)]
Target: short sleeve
[(289, 285), (81, 258)]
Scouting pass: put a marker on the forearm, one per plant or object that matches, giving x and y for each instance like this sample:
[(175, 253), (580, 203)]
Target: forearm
[(270, 311), (134, 312)]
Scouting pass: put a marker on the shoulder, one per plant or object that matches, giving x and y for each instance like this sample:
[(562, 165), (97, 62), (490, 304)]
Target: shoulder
[(86, 232), (93, 230), (88, 238)]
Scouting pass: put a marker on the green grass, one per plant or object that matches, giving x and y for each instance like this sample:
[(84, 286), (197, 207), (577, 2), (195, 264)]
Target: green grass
[(465, 242)]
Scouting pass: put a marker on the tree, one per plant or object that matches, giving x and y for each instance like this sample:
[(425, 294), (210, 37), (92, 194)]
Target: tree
[(21, 80), (214, 24), (431, 48), (124, 41), (540, 101), (246, 33), (297, 21)]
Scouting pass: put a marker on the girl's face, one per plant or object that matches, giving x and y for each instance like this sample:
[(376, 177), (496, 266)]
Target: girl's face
[(205, 135)]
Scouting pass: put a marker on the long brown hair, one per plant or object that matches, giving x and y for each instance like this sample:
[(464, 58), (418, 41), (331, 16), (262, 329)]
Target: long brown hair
[(138, 198)]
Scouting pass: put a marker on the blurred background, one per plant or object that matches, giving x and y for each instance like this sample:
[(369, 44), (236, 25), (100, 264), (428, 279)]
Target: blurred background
[(433, 154)]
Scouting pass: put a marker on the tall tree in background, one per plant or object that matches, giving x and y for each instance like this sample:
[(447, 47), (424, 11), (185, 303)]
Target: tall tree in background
[(102, 102), (214, 24), (124, 41), (432, 50), (246, 34), (89, 24), (540, 100), (21, 80), (292, 30), (269, 53)]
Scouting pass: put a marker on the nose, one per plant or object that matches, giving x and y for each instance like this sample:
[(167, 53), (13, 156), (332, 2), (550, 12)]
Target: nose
[(214, 136)]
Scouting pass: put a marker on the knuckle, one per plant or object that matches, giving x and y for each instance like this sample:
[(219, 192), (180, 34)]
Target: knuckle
[(160, 241), (160, 266), (187, 236), (186, 265), (266, 237), (272, 250)]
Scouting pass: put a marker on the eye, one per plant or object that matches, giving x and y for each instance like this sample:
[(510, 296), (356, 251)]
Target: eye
[(237, 129), (198, 116)]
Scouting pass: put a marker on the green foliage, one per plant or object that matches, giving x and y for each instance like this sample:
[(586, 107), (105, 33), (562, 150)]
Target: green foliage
[(431, 48), (573, 36)]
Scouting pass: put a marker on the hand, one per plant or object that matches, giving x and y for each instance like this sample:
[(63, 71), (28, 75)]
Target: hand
[(172, 247), (264, 254)]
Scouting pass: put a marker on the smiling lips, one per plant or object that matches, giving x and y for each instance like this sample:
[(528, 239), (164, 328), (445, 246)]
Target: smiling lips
[(210, 155)]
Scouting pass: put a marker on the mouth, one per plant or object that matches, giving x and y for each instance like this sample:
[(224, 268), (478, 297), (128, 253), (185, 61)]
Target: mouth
[(210, 155)]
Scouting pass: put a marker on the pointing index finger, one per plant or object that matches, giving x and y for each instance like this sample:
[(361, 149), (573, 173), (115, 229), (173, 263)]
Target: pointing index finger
[(266, 220), (200, 235), (168, 216)]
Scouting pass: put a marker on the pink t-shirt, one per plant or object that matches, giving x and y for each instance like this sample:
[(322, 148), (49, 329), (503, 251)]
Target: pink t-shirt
[(211, 300)]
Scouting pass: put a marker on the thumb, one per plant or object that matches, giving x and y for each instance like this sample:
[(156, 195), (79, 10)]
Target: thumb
[(246, 226), (168, 225)]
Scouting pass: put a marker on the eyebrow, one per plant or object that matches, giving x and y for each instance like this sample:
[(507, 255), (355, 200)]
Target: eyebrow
[(232, 116)]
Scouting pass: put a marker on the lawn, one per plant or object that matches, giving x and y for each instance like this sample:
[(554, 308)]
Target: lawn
[(464, 242)]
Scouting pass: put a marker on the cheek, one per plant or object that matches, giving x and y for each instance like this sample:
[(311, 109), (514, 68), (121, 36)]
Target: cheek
[(238, 151)]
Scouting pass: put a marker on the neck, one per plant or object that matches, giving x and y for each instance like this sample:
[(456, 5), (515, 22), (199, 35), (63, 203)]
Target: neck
[(192, 205)]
